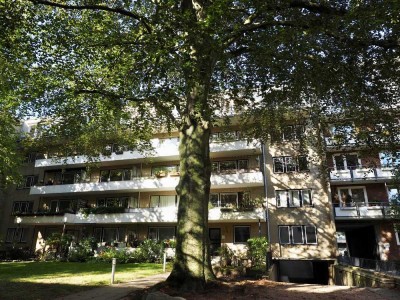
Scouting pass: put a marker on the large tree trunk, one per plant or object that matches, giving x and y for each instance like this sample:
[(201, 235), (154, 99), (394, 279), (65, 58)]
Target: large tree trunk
[(192, 267)]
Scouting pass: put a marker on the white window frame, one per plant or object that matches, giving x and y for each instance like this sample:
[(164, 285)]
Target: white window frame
[(315, 232), (288, 201), (348, 190), (289, 230), (397, 235), (345, 165)]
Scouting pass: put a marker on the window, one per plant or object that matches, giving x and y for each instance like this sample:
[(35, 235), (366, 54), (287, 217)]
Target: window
[(354, 194), (346, 161), (231, 200), (16, 235), (297, 234), (225, 136), (241, 234), (28, 181), (115, 175), (394, 195), (293, 132), (230, 166), (60, 206), (287, 164), (69, 176), (113, 202), (20, 207), (293, 198), (163, 201), (161, 233), (284, 235), (164, 170), (109, 235), (228, 200)]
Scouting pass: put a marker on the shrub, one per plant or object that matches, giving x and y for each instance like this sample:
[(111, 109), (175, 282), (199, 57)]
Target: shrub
[(83, 250), (109, 253), (258, 251), (151, 250)]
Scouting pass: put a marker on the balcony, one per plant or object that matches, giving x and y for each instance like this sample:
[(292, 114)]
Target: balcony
[(163, 150), (363, 211), (135, 215), (143, 184), (360, 174)]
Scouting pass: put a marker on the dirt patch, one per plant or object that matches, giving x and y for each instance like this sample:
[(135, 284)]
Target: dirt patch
[(266, 289)]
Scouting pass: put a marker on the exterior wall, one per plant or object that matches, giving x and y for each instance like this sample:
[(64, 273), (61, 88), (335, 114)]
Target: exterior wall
[(319, 214)]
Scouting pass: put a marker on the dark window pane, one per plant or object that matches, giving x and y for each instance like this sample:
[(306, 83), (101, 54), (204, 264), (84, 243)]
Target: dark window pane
[(242, 234), (303, 163), (311, 235), (278, 165), (284, 237), (297, 234)]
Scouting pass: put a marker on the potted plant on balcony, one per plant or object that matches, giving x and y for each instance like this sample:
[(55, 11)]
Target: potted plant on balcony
[(160, 173), (228, 207)]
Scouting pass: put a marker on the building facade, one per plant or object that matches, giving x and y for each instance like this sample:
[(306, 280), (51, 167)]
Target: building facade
[(271, 190)]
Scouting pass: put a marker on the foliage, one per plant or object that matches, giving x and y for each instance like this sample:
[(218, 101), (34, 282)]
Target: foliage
[(56, 246), (122, 255), (101, 210), (258, 248), (82, 251), (117, 71), (152, 250)]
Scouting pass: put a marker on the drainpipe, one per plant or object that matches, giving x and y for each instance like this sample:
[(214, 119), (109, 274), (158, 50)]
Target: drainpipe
[(264, 170)]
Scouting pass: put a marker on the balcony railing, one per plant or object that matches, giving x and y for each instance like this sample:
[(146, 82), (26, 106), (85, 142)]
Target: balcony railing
[(163, 149), (360, 173), (133, 215), (362, 210), (236, 180)]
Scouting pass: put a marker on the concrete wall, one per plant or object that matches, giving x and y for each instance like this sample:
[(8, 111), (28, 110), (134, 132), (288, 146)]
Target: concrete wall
[(353, 276)]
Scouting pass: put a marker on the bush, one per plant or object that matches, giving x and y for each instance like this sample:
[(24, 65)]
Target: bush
[(109, 253), (258, 248), (151, 250), (83, 250)]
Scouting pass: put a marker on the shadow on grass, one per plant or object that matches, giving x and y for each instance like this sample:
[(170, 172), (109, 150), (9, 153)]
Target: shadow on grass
[(38, 291)]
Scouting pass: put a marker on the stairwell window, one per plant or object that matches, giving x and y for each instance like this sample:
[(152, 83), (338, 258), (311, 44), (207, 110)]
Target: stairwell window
[(297, 235), (293, 198), (289, 164), (21, 207), (16, 235)]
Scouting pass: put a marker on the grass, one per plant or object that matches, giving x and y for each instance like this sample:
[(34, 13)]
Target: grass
[(48, 280)]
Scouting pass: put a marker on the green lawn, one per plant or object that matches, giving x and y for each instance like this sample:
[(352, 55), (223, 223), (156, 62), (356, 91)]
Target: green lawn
[(47, 280)]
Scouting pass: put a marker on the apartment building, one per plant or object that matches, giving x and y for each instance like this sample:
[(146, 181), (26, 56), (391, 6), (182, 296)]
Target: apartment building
[(130, 196), (361, 181), (281, 192)]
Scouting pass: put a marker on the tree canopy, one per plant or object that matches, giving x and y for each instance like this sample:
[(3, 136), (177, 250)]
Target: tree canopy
[(116, 70)]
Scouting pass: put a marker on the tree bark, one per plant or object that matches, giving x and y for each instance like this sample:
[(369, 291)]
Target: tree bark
[(192, 267)]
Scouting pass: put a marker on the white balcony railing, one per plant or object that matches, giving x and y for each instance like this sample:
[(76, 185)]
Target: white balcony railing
[(363, 211), (361, 174), (163, 149), (137, 215), (142, 184)]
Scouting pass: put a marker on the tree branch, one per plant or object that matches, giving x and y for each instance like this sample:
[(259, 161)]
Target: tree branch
[(117, 10)]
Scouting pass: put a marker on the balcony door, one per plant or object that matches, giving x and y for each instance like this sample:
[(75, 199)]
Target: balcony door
[(354, 194), (348, 161), (215, 240)]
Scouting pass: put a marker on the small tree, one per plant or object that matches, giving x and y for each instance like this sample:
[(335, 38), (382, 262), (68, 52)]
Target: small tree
[(258, 248)]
